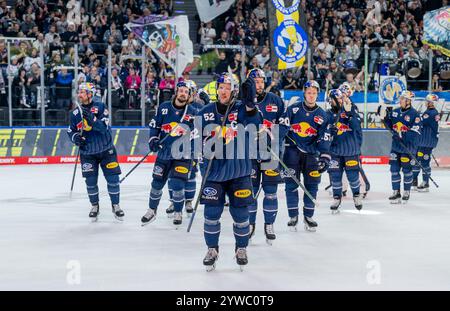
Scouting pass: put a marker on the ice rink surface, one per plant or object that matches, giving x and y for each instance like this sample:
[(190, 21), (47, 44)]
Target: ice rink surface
[(48, 243)]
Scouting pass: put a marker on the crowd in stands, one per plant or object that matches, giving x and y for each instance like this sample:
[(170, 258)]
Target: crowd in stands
[(338, 31)]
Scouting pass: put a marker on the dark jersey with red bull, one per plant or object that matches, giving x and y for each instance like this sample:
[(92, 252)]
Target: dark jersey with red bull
[(407, 124), (306, 129), (171, 122), (348, 139), (430, 129), (97, 133), (238, 163), (196, 106)]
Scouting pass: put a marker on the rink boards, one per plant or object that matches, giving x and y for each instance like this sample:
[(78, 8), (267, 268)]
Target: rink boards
[(52, 146)]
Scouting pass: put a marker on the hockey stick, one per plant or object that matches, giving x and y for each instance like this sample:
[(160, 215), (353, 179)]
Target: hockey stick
[(364, 177), (78, 151), (151, 152), (435, 161), (409, 153)]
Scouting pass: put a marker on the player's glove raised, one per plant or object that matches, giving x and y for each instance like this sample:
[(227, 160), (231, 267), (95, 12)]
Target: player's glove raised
[(204, 96), (249, 93)]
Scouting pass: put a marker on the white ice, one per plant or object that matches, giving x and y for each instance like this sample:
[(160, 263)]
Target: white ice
[(48, 243)]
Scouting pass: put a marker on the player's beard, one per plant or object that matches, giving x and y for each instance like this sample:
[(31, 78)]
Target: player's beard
[(180, 101)]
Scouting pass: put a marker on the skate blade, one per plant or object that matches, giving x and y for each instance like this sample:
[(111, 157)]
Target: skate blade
[(148, 222), (269, 242), (423, 191), (396, 201), (177, 226), (241, 268), (120, 218), (335, 212), (293, 228), (93, 219), (309, 229), (358, 208), (211, 268), (170, 215), (404, 202)]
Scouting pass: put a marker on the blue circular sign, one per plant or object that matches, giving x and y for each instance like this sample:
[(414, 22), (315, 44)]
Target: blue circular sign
[(279, 5), (390, 90), (290, 41)]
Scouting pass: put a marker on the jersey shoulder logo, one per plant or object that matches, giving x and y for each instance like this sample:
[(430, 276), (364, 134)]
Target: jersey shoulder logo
[(294, 110), (318, 120)]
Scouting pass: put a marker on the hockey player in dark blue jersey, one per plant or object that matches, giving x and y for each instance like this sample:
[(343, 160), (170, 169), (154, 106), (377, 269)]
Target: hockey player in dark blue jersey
[(172, 120), (346, 133), (189, 190), (89, 129), (307, 152), (223, 125), (406, 126), (428, 140), (272, 107)]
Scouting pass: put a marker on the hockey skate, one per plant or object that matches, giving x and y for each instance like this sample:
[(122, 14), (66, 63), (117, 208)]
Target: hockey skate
[(211, 258), (149, 217), (414, 185), (405, 197), (118, 212), (292, 224), (177, 218), (241, 257), (335, 205), (357, 199), (270, 233), (189, 208), (396, 197), (170, 210), (310, 224), (93, 214), (424, 187)]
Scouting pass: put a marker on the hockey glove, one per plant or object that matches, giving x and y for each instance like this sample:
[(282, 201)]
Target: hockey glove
[(249, 93), (88, 115), (154, 144), (79, 140), (324, 163), (203, 96)]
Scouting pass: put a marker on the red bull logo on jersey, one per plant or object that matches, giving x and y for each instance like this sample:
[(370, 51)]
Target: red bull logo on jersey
[(304, 129), (342, 128), (173, 128), (399, 127), (268, 124), (84, 125), (227, 132)]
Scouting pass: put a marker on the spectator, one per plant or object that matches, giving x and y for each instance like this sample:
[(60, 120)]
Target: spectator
[(63, 85), (326, 47), (207, 35), (263, 57), (222, 65), (375, 42), (71, 35), (288, 82)]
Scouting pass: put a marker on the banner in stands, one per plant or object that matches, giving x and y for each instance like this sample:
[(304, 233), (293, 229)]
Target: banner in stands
[(289, 42), (437, 29), (52, 146), (168, 37), (391, 87), (210, 9), (373, 99)]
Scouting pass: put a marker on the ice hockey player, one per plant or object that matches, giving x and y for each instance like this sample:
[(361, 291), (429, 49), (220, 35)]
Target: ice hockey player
[(172, 120), (89, 129), (272, 107), (346, 133), (406, 126), (231, 176), (428, 140), (307, 152), (189, 190)]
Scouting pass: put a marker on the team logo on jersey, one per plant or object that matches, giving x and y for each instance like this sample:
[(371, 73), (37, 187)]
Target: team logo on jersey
[(407, 118), (304, 129), (344, 115), (87, 167), (287, 173), (158, 170), (294, 110), (351, 163), (271, 173), (227, 132), (232, 117), (334, 164), (253, 174), (209, 192), (173, 128), (244, 193), (86, 126), (393, 157), (318, 119), (314, 174), (399, 127), (425, 116), (271, 108), (112, 165), (426, 157), (181, 169), (94, 110), (342, 128), (404, 159)]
